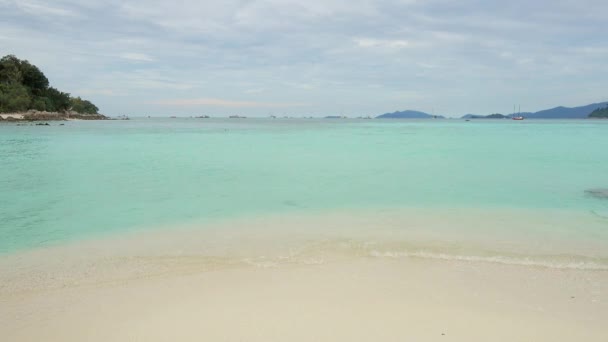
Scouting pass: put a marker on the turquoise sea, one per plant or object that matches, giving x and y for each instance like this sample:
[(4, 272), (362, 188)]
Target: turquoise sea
[(93, 178)]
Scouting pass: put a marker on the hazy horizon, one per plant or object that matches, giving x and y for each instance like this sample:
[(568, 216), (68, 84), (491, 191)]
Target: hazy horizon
[(261, 58)]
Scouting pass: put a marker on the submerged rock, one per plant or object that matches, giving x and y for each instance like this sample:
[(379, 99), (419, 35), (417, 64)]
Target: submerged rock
[(598, 192)]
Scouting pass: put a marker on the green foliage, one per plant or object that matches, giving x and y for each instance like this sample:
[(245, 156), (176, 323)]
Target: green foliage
[(496, 116), (14, 98), (59, 101), (33, 78), (599, 113), (23, 87), (83, 106), (10, 71)]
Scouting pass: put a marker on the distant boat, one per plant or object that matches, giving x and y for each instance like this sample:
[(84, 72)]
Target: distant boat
[(236, 117), (173, 117), (518, 117), (202, 117)]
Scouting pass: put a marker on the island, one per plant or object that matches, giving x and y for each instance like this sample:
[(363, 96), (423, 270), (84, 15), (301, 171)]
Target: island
[(599, 113), (409, 114), (491, 116), (25, 95)]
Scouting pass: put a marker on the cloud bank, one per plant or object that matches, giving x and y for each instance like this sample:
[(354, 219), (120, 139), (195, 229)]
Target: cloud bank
[(335, 56)]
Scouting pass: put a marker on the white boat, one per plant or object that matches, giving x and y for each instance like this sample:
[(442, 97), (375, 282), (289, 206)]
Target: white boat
[(518, 117)]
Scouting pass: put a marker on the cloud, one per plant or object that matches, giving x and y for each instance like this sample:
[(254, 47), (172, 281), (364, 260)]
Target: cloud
[(140, 57), (105, 92), (40, 9), (225, 103), (254, 91), (382, 43), (358, 58)]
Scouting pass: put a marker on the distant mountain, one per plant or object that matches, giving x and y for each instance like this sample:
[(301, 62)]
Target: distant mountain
[(567, 113), (553, 113), (600, 113), (491, 116), (581, 112), (408, 114)]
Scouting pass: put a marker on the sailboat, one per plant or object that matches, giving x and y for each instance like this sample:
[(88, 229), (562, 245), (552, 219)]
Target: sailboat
[(518, 117)]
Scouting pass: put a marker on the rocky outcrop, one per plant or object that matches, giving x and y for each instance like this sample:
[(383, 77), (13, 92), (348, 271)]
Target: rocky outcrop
[(598, 192), (34, 115), (88, 116)]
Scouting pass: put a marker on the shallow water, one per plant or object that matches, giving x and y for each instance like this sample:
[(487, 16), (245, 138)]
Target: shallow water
[(87, 179)]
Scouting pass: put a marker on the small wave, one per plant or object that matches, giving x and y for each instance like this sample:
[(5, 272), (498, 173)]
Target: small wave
[(264, 262), (577, 265), (600, 213)]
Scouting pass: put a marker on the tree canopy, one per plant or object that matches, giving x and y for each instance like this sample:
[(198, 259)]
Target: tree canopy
[(599, 113), (23, 87)]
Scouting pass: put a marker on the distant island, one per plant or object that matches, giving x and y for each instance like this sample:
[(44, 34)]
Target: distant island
[(581, 112), (25, 94), (409, 114), (491, 116), (600, 113)]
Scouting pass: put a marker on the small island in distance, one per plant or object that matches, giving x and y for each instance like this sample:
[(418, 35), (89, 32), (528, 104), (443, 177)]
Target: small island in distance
[(600, 113), (594, 110), (25, 95)]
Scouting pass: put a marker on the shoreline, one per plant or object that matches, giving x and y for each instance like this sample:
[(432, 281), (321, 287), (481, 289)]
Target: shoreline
[(347, 300), (542, 237), (296, 278), (49, 116)]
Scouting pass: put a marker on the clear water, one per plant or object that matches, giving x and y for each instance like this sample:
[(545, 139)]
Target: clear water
[(83, 179)]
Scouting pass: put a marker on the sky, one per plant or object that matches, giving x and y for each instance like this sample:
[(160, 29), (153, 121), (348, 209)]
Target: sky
[(314, 57)]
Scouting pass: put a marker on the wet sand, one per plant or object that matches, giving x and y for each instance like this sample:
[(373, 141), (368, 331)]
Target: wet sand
[(349, 300), (269, 283)]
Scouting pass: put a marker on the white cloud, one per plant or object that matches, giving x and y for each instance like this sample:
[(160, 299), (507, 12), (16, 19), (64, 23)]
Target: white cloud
[(105, 92), (141, 57), (254, 90), (225, 103), (364, 57), (36, 8), (382, 43)]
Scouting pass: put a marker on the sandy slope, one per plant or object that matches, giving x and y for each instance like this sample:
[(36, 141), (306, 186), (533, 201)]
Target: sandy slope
[(350, 300)]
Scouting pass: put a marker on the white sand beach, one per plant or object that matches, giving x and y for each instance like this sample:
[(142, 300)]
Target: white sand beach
[(159, 286), (357, 300)]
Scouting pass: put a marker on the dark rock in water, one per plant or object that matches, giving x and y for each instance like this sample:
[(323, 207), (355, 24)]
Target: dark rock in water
[(290, 203), (599, 193)]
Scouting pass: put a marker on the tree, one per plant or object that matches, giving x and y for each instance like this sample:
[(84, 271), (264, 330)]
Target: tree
[(59, 101), (10, 72), (23, 86), (14, 98), (599, 113), (83, 106), (33, 78)]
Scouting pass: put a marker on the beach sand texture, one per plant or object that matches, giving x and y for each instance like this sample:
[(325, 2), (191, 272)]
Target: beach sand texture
[(222, 284)]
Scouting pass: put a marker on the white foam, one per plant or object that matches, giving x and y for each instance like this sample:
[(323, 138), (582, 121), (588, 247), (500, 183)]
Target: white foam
[(506, 260)]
